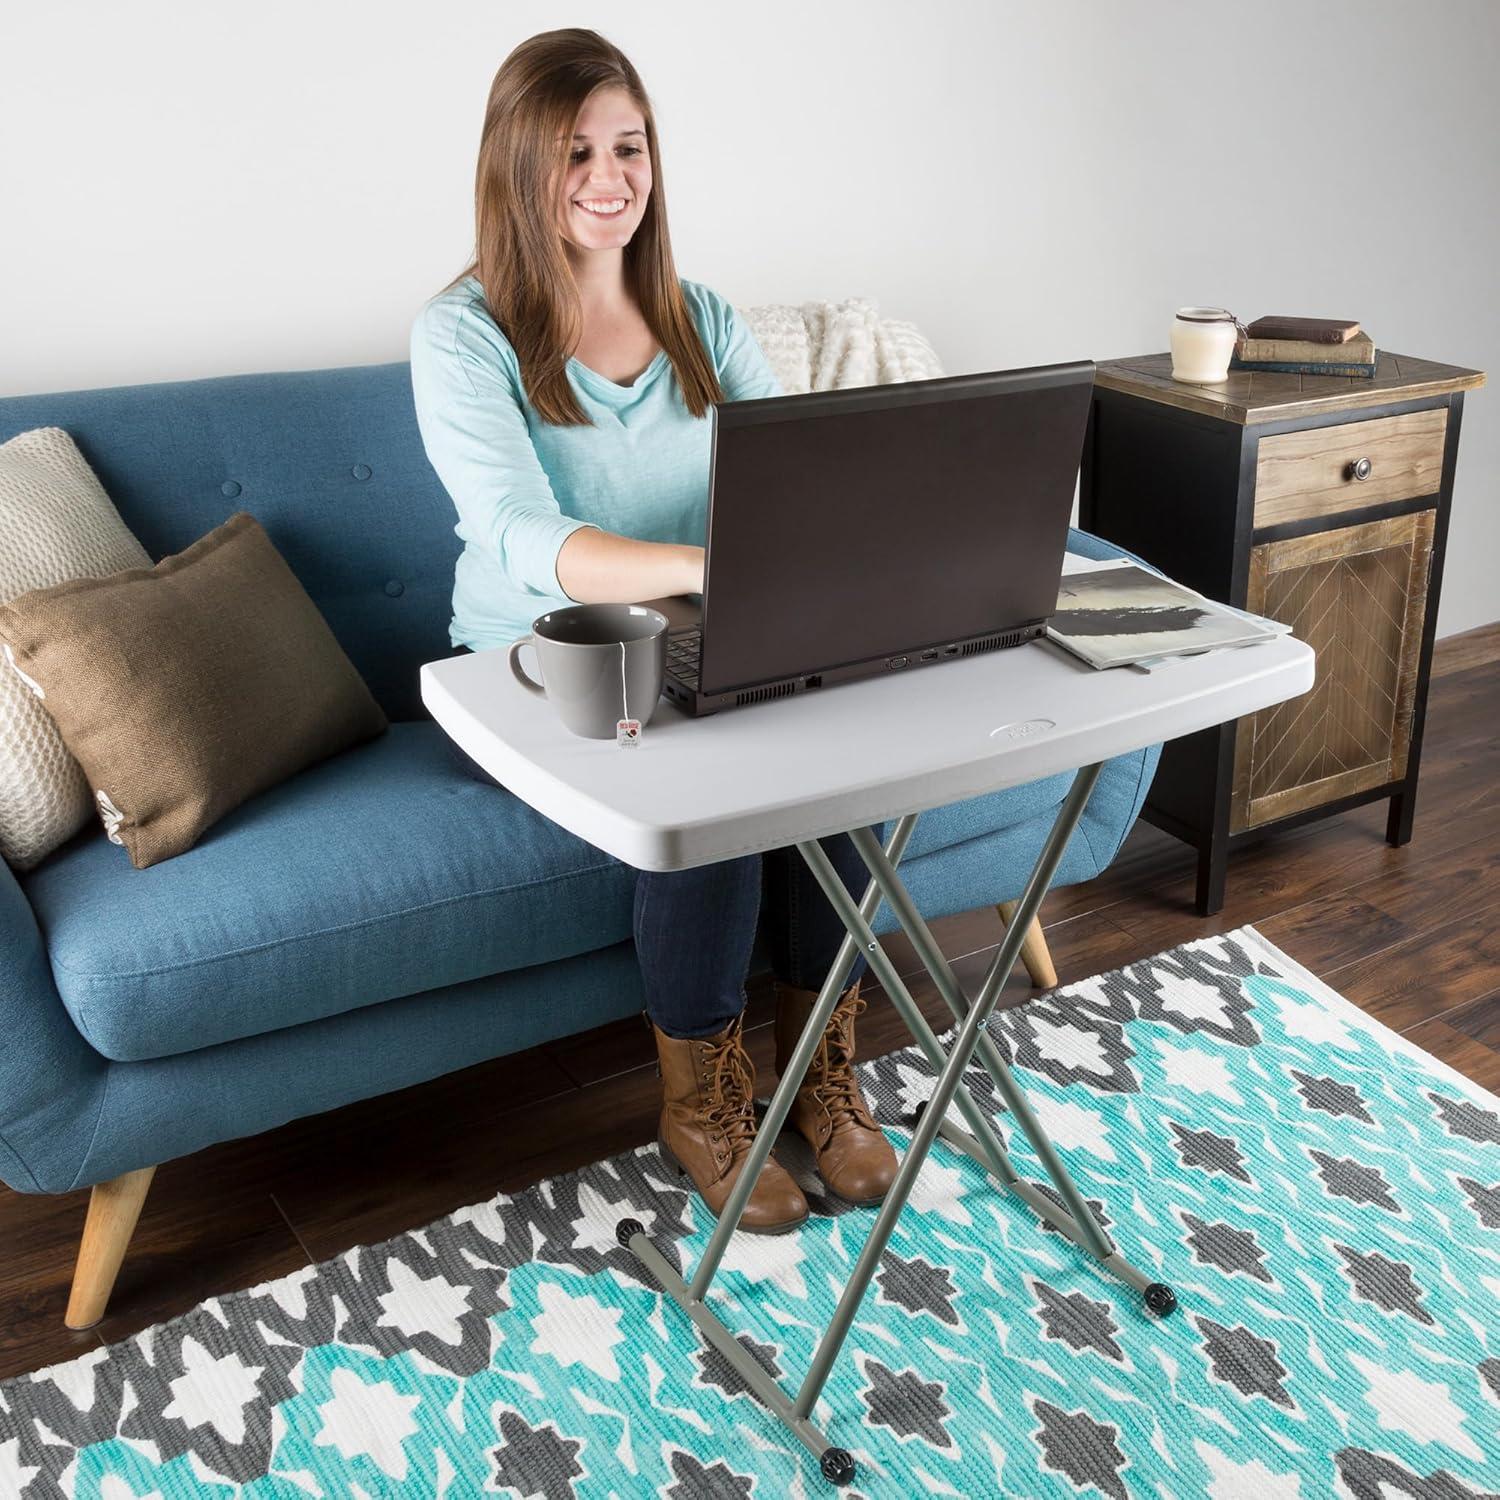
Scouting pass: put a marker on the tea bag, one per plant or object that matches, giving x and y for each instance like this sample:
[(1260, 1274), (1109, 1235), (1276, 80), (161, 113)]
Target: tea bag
[(627, 730)]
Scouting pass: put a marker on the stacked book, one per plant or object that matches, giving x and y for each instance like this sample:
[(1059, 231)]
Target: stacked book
[(1305, 346), (1112, 613)]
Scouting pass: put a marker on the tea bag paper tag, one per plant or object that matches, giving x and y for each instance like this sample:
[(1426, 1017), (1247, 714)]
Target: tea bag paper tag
[(627, 730)]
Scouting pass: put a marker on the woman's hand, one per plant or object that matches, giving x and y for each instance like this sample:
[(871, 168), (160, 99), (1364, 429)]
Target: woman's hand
[(599, 567)]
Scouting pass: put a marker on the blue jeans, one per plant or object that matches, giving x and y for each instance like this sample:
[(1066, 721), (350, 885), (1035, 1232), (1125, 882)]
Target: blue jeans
[(694, 929)]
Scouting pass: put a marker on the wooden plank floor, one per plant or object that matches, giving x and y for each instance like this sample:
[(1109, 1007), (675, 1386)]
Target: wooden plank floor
[(1406, 933)]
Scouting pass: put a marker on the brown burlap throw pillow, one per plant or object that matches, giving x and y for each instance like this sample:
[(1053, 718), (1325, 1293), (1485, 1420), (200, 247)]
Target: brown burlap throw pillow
[(187, 688)]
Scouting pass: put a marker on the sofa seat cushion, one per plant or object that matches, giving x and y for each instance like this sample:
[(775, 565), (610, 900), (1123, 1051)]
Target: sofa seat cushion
[(380, 872)]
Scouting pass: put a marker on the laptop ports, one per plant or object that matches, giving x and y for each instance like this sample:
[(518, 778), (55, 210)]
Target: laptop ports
[(950, 650), (929, 655), (816, 680)]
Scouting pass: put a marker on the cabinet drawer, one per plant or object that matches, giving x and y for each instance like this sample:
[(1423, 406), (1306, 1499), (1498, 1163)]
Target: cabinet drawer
[(1302, 475)]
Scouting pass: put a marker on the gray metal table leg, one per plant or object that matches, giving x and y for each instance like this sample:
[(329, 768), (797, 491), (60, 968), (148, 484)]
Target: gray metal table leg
[(947, 1085), (835, 1463), (989, 1149), (786, 1090), (1077, 1222), (1094, 1239), (1075, 1219)]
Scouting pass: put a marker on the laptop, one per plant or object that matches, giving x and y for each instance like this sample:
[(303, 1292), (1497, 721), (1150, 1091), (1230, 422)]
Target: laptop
[(854, 533)]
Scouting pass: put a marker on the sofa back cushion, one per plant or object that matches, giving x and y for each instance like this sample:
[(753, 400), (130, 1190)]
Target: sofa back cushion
[(330, 462)]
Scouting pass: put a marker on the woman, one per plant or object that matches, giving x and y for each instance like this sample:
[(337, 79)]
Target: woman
[(562, 385)]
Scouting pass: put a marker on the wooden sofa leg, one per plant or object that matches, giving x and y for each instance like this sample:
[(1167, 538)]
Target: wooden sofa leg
[(114, 1207), (1034, 952)]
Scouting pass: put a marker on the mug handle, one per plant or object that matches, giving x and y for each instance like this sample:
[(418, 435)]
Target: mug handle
[(514, 658)]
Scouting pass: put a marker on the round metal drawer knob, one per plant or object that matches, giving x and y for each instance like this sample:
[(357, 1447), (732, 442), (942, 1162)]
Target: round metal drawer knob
[(1359, 469)]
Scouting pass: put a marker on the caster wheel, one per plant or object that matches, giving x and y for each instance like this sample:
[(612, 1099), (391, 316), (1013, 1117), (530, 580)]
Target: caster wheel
[(837, 1465), (1160, 1298), (625, 1228)]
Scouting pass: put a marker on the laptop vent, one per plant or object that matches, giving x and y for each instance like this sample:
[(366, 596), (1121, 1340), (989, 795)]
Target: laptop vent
[(759, 695), (996, 642)]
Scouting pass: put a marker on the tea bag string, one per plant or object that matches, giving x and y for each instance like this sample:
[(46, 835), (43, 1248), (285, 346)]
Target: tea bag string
[(624, 700)]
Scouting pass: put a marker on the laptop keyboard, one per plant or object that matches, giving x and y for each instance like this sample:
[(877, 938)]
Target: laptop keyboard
[(683, 650)]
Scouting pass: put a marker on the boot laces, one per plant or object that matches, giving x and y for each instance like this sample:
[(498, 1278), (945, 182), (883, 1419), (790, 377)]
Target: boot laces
[(730, 1110), (837, 1089)]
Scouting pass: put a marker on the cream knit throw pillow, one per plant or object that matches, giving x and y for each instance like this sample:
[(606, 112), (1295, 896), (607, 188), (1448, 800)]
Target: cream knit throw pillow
[(56, 524), (827, 346)]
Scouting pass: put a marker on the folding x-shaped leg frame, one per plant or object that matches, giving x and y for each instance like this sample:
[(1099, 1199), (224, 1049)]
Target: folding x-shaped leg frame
[(980, 1141)]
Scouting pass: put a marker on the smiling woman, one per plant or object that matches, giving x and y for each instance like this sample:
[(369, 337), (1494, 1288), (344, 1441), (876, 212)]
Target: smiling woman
[(569, 123), (562, 388), (562, 381)]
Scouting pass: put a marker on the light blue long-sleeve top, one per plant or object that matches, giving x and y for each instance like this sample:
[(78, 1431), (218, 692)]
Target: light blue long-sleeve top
[(522, 485)]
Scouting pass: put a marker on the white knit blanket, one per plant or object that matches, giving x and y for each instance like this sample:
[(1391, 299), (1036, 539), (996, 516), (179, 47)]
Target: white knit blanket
[(824, 346)]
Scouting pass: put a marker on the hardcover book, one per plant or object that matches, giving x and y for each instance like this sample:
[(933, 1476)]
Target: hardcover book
[(1302, 367), (1314, 330), (1358, 350)]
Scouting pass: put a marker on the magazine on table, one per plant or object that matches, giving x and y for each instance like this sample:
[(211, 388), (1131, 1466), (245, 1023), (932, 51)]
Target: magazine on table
[(1112, 613)]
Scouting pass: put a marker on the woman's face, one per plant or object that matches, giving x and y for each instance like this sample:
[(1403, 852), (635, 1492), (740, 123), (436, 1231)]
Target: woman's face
[(609, 168)]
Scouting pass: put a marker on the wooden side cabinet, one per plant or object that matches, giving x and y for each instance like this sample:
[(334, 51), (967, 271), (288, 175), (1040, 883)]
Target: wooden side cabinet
[(1319, 500)]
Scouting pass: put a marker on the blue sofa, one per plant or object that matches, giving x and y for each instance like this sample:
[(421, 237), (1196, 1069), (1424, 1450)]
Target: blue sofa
[(381, 918)]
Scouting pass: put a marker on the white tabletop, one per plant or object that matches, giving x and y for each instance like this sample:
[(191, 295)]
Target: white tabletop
[(747, 779)]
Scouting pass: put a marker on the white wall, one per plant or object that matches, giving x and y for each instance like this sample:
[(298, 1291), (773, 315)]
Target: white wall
[(204, 189)]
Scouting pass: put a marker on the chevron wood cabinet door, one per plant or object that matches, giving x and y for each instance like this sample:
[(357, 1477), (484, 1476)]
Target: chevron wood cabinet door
[(1322, 501), (1357, 595)]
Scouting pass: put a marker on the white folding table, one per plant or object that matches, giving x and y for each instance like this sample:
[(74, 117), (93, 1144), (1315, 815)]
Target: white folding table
[(845, 759)]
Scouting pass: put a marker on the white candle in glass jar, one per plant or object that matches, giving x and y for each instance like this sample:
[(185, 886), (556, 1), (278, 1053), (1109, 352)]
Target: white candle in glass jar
[(1203, 338)]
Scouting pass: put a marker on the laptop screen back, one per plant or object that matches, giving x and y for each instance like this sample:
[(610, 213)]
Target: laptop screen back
[(846, 525)]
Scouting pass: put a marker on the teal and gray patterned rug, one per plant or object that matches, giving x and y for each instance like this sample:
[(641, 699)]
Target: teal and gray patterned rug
[(1324, 1197)]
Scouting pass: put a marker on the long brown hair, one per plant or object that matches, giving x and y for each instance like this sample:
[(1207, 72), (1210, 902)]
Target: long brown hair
[(519, 259)]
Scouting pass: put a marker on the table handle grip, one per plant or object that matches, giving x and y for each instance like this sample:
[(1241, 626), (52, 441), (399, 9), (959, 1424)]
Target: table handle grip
[(514, 657)]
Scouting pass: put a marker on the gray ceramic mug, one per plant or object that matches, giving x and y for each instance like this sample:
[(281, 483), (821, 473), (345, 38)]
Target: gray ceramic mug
[(583, 650)]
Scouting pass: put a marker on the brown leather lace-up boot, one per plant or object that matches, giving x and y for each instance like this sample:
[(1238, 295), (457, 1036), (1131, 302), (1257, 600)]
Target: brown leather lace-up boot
[(708, 1126), (854, 1157)]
